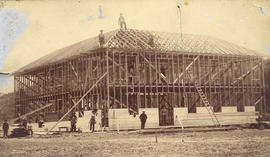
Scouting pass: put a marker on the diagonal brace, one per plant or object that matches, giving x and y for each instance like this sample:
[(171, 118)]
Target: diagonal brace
[(75, 104), (187, 68)]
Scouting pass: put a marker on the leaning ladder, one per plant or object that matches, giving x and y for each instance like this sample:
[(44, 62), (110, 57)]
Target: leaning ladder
[(206, 103)]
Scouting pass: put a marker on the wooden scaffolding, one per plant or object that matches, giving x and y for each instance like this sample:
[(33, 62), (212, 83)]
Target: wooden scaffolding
[(141, 69)]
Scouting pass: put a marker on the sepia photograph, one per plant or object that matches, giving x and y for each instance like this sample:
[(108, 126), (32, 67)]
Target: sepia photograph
[(140, 78)]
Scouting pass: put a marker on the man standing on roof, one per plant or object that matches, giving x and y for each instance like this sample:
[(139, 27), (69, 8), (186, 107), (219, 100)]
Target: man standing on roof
[(122, 22), (101, 38)]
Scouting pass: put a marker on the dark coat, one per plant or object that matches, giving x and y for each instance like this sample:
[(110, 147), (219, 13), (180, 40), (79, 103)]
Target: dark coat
[(101, 38), (143, 117), (93, 119), (5, 126), (73, 120)]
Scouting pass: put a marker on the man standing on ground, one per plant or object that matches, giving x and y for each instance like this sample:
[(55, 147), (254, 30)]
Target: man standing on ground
[(40, 121), (143, 118), (122, 21), (164, 115), (92, 121), (24, 123), (5, 129), (73, 122), (30, 128)]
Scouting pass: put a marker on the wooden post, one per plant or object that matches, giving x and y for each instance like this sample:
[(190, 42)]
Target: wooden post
[(150, 80), (263, 86), (157, 78), (199, 79), (184, 81), (172, 78), (138, 78), (75, 104), (113, 76), (179, 99), (120, 77), (145, 81), (107, 83), (126, 78)]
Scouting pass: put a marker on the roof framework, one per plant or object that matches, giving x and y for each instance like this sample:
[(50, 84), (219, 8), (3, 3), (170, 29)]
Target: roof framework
[(130, 71), (139, 40)]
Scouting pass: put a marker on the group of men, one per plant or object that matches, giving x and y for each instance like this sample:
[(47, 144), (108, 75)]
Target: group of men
[(121, 22), (27, 126), (123, 25), (73, 121), (92, 122)]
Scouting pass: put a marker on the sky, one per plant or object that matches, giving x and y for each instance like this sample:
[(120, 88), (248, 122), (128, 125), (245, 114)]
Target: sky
[(31, 29)]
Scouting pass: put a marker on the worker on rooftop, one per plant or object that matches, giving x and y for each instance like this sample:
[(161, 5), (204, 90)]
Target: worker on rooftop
[(122, 21), (151, 41), (101, 38)]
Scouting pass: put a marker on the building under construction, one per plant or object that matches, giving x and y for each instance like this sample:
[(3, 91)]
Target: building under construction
[(198, 80)]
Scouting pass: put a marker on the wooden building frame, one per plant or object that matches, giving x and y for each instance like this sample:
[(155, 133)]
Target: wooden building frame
[(141, 69)]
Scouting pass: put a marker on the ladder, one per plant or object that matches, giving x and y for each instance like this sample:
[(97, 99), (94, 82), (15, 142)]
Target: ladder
[(206, 103)]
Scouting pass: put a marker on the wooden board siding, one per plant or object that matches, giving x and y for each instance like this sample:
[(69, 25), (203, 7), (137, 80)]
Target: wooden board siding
[(125, 121)]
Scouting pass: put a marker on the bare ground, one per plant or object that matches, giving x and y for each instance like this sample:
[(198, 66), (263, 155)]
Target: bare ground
[(244, 143)]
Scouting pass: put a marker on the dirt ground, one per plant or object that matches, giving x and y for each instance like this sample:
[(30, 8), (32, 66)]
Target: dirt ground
[(244, 142)]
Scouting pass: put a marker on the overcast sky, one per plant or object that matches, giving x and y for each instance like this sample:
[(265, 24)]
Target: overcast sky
[(49, 25)]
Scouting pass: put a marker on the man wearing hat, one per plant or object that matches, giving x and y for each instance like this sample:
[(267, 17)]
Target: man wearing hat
[(101, 38), (122, 21), (5, 129), (143, 118)]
